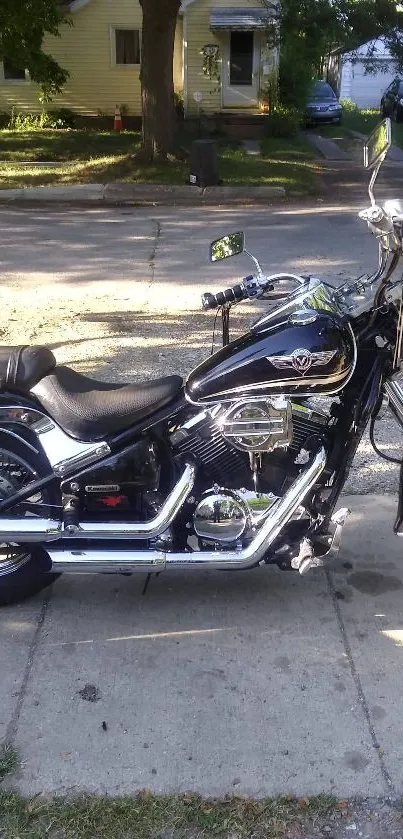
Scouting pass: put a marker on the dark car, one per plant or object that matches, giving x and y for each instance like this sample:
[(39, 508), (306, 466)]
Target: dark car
[(323, 104), (392, 101)]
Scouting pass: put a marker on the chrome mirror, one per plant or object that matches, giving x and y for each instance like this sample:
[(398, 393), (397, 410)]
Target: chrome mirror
[(378, 144), (227, 246)]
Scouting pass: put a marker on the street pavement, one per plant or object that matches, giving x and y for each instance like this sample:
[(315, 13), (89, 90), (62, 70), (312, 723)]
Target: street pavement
[(254, 683)]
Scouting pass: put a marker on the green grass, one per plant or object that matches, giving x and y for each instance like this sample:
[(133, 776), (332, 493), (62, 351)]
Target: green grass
[(105, 157), (365, 122), (147, 816), (362, 121), (9, 760)]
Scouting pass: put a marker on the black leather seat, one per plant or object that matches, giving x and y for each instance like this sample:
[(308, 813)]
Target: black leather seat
[(90, 410), (21, 368)]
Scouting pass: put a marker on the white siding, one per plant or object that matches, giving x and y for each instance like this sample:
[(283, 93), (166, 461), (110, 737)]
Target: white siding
[(365, 89)]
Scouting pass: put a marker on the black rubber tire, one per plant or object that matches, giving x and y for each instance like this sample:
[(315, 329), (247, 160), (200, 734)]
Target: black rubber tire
[(33, 575)]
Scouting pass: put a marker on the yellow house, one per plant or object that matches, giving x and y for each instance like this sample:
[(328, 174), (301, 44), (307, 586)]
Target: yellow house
[(221, 59)]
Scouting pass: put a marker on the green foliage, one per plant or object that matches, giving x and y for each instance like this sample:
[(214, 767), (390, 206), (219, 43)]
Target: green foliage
[(9, 760), (349, 106), (307, 31), (179, 104), (62, 118), (284, 121), (297, 69), (269, 93), (23, 24)]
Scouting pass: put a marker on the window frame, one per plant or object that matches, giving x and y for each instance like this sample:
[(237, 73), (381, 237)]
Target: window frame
[(5, 81), (113, 30)]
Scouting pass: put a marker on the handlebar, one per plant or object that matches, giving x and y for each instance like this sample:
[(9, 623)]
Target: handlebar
[(231, 295), (251, 287)]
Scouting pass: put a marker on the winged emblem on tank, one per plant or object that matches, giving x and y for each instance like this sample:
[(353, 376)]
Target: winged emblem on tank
[(301, 360)]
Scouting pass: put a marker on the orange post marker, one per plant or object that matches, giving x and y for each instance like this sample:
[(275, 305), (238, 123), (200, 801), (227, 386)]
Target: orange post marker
[(117, 123)]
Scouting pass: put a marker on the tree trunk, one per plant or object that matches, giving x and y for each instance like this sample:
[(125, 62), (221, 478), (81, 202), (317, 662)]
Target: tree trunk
[(156, 76)]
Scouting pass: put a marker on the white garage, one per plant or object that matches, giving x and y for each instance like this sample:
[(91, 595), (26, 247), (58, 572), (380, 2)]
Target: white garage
[(354, 82)]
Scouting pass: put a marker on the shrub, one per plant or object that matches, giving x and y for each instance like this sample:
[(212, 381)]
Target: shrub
[(62, 118), (179, 105), (349, 106), (282, 122)]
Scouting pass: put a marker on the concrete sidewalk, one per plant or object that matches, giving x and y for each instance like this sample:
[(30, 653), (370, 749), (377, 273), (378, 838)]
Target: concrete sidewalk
[(255, 683)]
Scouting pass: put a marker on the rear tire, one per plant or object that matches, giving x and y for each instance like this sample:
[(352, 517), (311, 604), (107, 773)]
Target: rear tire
[(24, 569)]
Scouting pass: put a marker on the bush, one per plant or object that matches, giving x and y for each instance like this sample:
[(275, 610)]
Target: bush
[(62, 118), (283, 122), (349, 106), (179, 105), (65, 116)]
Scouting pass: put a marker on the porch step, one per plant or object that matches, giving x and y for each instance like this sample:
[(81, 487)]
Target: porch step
[(241, 125)]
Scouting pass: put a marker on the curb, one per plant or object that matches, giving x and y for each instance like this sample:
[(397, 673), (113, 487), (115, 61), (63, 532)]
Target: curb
[(141, 194)]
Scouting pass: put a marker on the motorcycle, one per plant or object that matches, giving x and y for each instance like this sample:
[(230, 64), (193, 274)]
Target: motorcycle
[(241, 466)]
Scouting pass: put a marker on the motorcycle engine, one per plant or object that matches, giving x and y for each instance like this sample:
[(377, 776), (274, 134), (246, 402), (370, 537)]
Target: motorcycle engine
[(247, 454)]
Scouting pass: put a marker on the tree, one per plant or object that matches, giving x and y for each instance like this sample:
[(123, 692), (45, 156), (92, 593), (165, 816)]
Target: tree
[(306, 31), (23, 24), (156, 77)]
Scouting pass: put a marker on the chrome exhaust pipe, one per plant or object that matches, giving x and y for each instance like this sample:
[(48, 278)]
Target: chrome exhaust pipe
[(394, 392), (97, 560), (30, 529)]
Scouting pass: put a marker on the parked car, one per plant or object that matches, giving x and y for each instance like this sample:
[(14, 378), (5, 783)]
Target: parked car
[(323, 104), (392, 101)]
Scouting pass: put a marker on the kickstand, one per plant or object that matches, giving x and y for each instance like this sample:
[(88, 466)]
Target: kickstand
[(146, 584)]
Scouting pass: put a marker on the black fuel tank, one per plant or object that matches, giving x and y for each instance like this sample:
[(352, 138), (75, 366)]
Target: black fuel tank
[(298, 352)]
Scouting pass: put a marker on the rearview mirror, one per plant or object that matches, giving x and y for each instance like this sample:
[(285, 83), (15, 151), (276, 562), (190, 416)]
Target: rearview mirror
[(378, 144), (227, 246)]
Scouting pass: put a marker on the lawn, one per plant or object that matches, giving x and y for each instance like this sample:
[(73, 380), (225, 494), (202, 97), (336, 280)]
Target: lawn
[(147, 816), (365, 122), (105, 157)]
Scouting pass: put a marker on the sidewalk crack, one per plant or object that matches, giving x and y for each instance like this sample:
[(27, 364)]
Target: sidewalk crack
[(358, 684), (153, 254), (12, 727)]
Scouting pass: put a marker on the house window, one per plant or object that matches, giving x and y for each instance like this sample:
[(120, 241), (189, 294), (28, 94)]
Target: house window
[(12, 73), (127, 46)]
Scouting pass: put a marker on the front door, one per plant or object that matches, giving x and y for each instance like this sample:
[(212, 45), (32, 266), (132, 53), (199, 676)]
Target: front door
[(241, 70)]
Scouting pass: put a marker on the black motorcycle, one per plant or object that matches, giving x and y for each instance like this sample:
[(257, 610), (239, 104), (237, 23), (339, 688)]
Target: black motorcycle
[(241, 466)]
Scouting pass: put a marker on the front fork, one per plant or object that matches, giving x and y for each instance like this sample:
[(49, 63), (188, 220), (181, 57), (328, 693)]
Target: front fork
[(394, 392)]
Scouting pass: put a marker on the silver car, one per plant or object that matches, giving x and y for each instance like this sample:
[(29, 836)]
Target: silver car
[(323, 104)]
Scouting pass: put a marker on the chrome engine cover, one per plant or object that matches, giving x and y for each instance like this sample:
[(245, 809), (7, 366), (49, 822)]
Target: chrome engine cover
[(224, 515), (257, 426)]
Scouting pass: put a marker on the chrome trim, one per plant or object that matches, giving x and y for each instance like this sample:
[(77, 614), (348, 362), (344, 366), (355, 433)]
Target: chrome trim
[(153, 561), (94, 561), (77, 454), (139, 530), (29, 529), (269, 429), (394, 392), (315, 555)]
